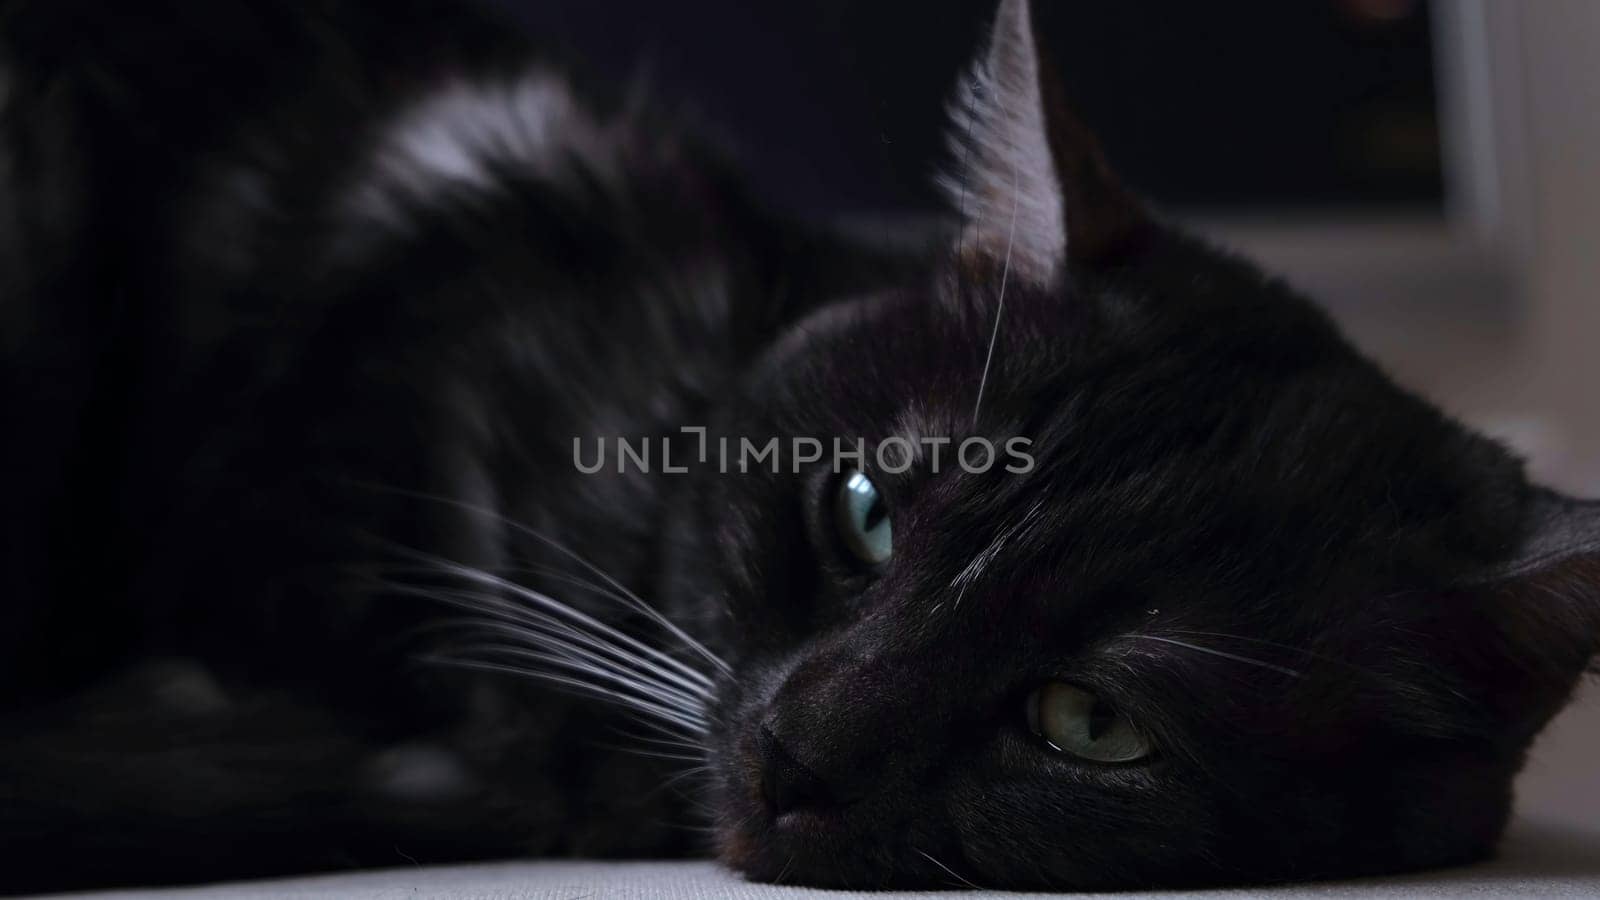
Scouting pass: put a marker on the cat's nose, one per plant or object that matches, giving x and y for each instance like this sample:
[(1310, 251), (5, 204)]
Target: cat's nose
[(787, 784)]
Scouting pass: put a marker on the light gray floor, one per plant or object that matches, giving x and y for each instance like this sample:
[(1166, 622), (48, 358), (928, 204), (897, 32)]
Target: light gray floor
[(1538, 860)]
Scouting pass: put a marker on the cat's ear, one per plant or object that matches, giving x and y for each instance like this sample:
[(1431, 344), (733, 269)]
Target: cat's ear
[(1030, 181), (1561, 532), (1514, 642), (1546, 603)]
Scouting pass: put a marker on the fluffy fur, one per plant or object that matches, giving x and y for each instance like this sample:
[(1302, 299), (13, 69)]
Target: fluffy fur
[(1006, 185)]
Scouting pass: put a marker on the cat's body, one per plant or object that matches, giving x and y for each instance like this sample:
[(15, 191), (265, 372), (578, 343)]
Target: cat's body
[(261, 359), (305, 310)]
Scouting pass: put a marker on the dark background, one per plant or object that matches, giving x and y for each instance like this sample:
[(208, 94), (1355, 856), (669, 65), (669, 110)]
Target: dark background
[(837, 105)]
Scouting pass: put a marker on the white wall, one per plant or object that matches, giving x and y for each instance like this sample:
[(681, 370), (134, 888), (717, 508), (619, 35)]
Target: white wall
[(1559, 347)]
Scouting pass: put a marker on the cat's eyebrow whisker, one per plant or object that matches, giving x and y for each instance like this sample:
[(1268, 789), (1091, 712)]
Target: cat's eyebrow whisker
[(974, 569), (1302, 651), (1198, 648), (1005, 278)]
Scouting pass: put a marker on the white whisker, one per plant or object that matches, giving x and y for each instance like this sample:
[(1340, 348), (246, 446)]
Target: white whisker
[(548, 603), (952, 872), (531, 634), (1005, 277), (629, 596), (969, 575), (651, 754), (618, 681), (1222, 653), (551, 628), (642, 744), (579, 656), (580, 686), (672, 744), (638, 603)]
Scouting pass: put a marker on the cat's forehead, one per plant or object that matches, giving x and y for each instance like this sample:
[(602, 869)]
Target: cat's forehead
[(1185, 424), (1186, 502)]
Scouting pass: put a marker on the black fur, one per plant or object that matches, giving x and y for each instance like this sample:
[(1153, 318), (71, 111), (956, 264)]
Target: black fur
[(245, 424)]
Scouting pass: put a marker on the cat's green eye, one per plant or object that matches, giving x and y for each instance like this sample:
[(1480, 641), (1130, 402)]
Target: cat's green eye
[(1072, 720), (863, 519)]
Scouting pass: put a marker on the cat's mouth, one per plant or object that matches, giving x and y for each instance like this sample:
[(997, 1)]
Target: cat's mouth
[(846, 849), (816, 847), (808, 821)]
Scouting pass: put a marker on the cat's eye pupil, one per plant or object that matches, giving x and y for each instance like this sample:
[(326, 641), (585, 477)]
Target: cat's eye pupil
[(876, 514), (1101, 719), (862, 517), (1077, 722)]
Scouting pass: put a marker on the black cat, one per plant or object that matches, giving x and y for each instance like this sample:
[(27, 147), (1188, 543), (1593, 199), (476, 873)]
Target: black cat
[(1070, 553)]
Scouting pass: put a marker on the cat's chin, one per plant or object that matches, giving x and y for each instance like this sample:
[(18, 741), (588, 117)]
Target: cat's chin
[(803, 848), (822, 847)]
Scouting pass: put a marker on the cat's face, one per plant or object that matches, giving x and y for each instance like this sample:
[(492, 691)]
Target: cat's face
[(1250, 612)]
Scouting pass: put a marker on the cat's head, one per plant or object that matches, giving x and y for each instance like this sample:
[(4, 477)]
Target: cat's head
[(1249, 611)]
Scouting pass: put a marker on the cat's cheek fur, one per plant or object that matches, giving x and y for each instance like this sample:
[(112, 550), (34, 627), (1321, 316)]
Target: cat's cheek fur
[(1033, 834)]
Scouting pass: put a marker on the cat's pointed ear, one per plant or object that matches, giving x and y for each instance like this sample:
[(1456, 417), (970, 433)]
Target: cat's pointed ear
[(1030, 181), (1561, 532), (1514, 642)]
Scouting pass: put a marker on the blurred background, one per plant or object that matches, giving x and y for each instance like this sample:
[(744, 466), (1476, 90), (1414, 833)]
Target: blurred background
[(1428, 170)]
